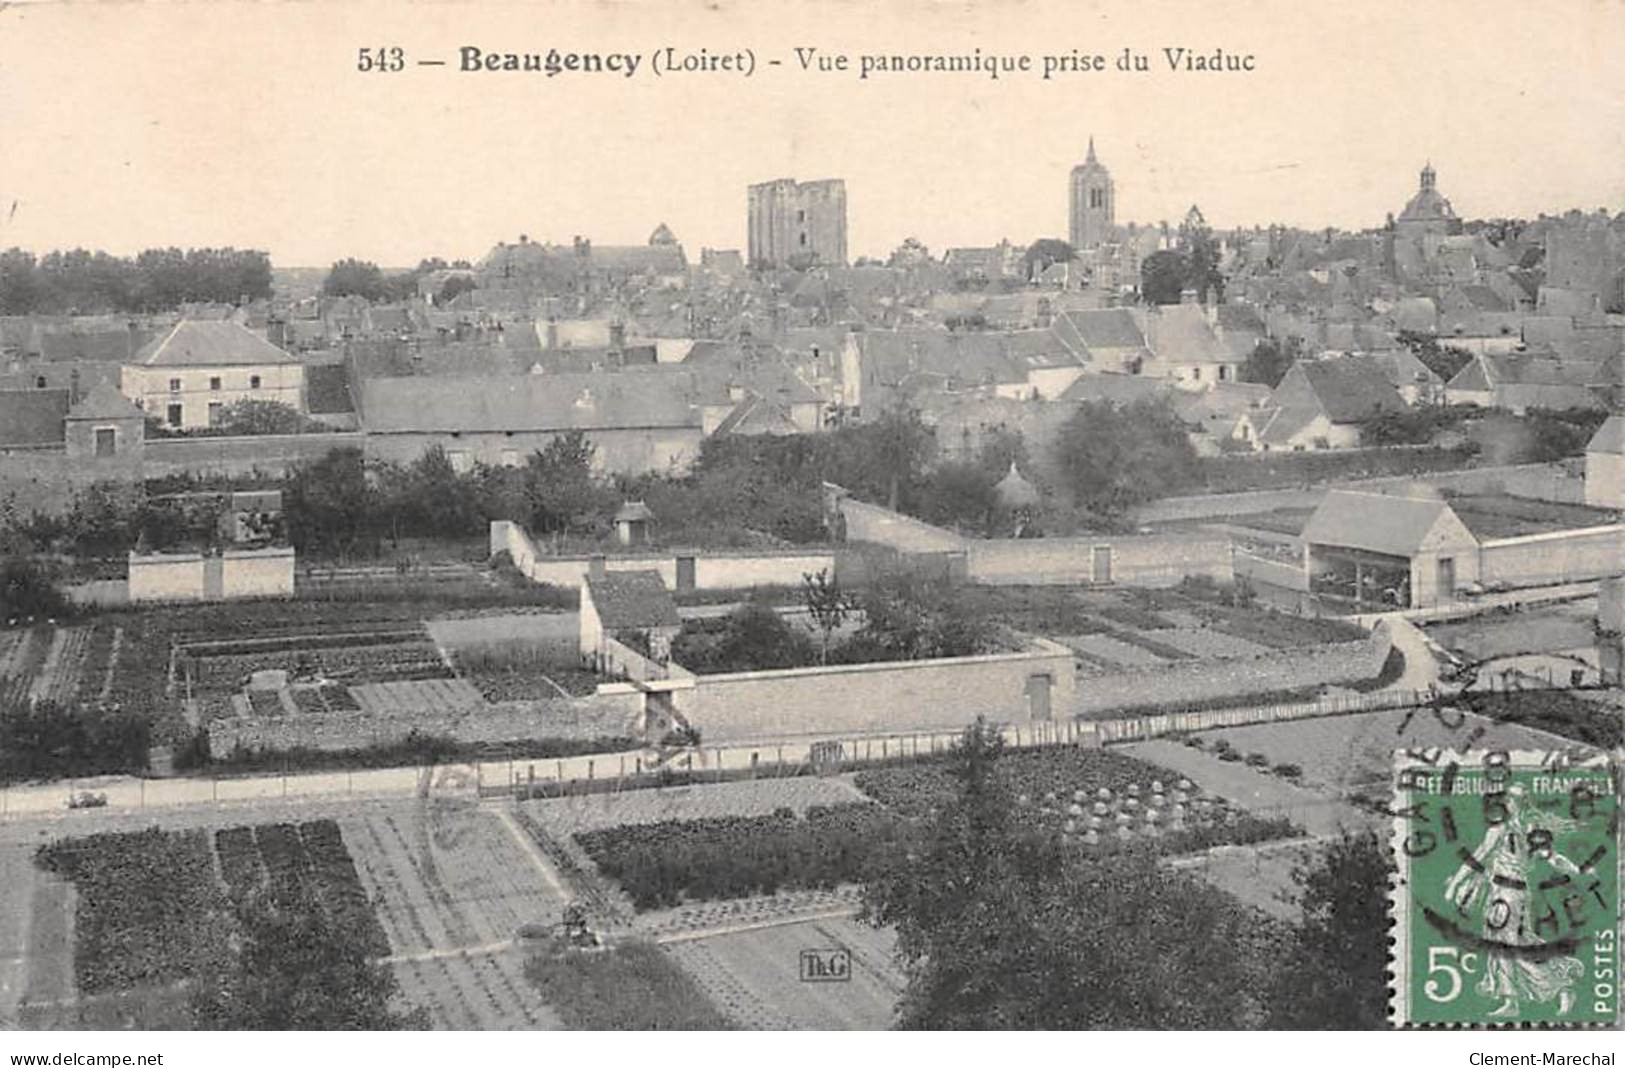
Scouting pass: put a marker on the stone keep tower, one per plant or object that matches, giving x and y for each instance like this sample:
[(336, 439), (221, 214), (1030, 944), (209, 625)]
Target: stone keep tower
[(1093, 203)]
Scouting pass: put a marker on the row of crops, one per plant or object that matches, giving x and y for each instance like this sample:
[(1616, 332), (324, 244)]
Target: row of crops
[(661, 865), (151, 909), (402, 658)]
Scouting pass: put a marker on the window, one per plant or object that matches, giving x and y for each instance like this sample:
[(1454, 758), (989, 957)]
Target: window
[(215, 408), (1224, 372), (39, 383), (174, 385), (174, 415), (106, 441), (1196, 374), (801, 216), (214, 384), (803, 240), (253, 381)]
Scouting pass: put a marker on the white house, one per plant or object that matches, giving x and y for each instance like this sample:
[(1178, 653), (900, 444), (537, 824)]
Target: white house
[(189, 375)]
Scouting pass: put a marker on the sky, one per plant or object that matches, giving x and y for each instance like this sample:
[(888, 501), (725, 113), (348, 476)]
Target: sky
[(124, 126)]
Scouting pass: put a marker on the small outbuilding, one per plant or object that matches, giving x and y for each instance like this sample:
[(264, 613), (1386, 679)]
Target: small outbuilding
[(632, 523), (1406, 550), (633, 608)]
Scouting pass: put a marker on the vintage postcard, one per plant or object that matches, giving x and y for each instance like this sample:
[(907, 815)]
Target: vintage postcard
[(728, 515)]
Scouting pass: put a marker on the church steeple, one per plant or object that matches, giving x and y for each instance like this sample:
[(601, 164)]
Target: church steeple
[(1091, 202), (1429, 177)]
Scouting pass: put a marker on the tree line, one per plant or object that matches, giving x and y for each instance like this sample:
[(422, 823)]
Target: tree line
[(80, 282)]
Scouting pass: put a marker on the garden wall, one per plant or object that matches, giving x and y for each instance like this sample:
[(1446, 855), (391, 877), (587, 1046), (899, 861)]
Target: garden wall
[(238, 575), (1138, 560), (1273, 572), (1135, 560), (272, 454), (712, 570), (1557, 557), (575, 717), (1544, 482), (1192, 682), (884, 698)]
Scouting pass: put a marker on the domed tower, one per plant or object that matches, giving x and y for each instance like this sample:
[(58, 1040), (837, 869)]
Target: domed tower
[(1093, 202)]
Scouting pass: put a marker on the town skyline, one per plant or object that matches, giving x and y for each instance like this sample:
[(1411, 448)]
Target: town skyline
[(430, 165)]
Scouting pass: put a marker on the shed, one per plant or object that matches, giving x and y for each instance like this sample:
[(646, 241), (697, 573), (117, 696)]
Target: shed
[(1406, 550)]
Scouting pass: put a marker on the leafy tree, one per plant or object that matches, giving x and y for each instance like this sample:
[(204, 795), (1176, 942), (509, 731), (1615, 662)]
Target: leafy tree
[(1333, 976), (357, 278), (1044, 253), (1201, 255), (1116, 457), (828, 604), (44, 740), (454, 287), (894, 451), (263, 417), (1270, 360), (330, 504), (560, 489), (962, 495), (911, 253), (1000, 926), (26, 591), (1162, 277), (753, 637)]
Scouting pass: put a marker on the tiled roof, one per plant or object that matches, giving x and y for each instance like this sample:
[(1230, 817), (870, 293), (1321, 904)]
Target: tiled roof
[(633, 599), (1348, 388), (32, 416), (1376, 522), (1610, 437), (544, 402), (105, 402), (327, 389), (211, 343)]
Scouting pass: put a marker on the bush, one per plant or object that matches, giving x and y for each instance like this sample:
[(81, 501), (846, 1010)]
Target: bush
[(26, 592), (1230, 756), (633, 987), (1288, 771), (1257, 760)]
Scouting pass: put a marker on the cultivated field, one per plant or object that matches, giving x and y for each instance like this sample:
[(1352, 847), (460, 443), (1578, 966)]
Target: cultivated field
[(1353, 754), (754, 976)]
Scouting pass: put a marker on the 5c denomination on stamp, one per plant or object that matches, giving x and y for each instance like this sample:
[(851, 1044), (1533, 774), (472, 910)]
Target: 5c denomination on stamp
[(1506, 905)]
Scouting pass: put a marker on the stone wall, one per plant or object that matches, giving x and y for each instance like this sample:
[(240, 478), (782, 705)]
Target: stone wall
[(893, 697), (712, 570), (1193, 682), (1554, 558), (601, 715), (1134, 560)]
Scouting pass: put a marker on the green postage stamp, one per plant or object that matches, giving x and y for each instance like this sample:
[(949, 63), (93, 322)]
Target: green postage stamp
[(1506, 901)]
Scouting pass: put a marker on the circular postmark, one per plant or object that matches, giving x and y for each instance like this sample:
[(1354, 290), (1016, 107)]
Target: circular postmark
[(1509, 903)]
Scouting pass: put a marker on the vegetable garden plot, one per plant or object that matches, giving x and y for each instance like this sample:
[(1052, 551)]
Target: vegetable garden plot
[(150, 906), (476, 992), (1354, 753), (1211, 644), (755, 976), (447, 876), (1110, 650), (565, 816)]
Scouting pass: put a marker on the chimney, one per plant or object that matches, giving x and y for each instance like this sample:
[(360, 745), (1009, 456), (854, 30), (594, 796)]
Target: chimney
[(276, 332), (73, 387), (595, 567)]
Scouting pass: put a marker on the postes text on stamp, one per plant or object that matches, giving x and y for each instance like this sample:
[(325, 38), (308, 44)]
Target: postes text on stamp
[(1506, 904)]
